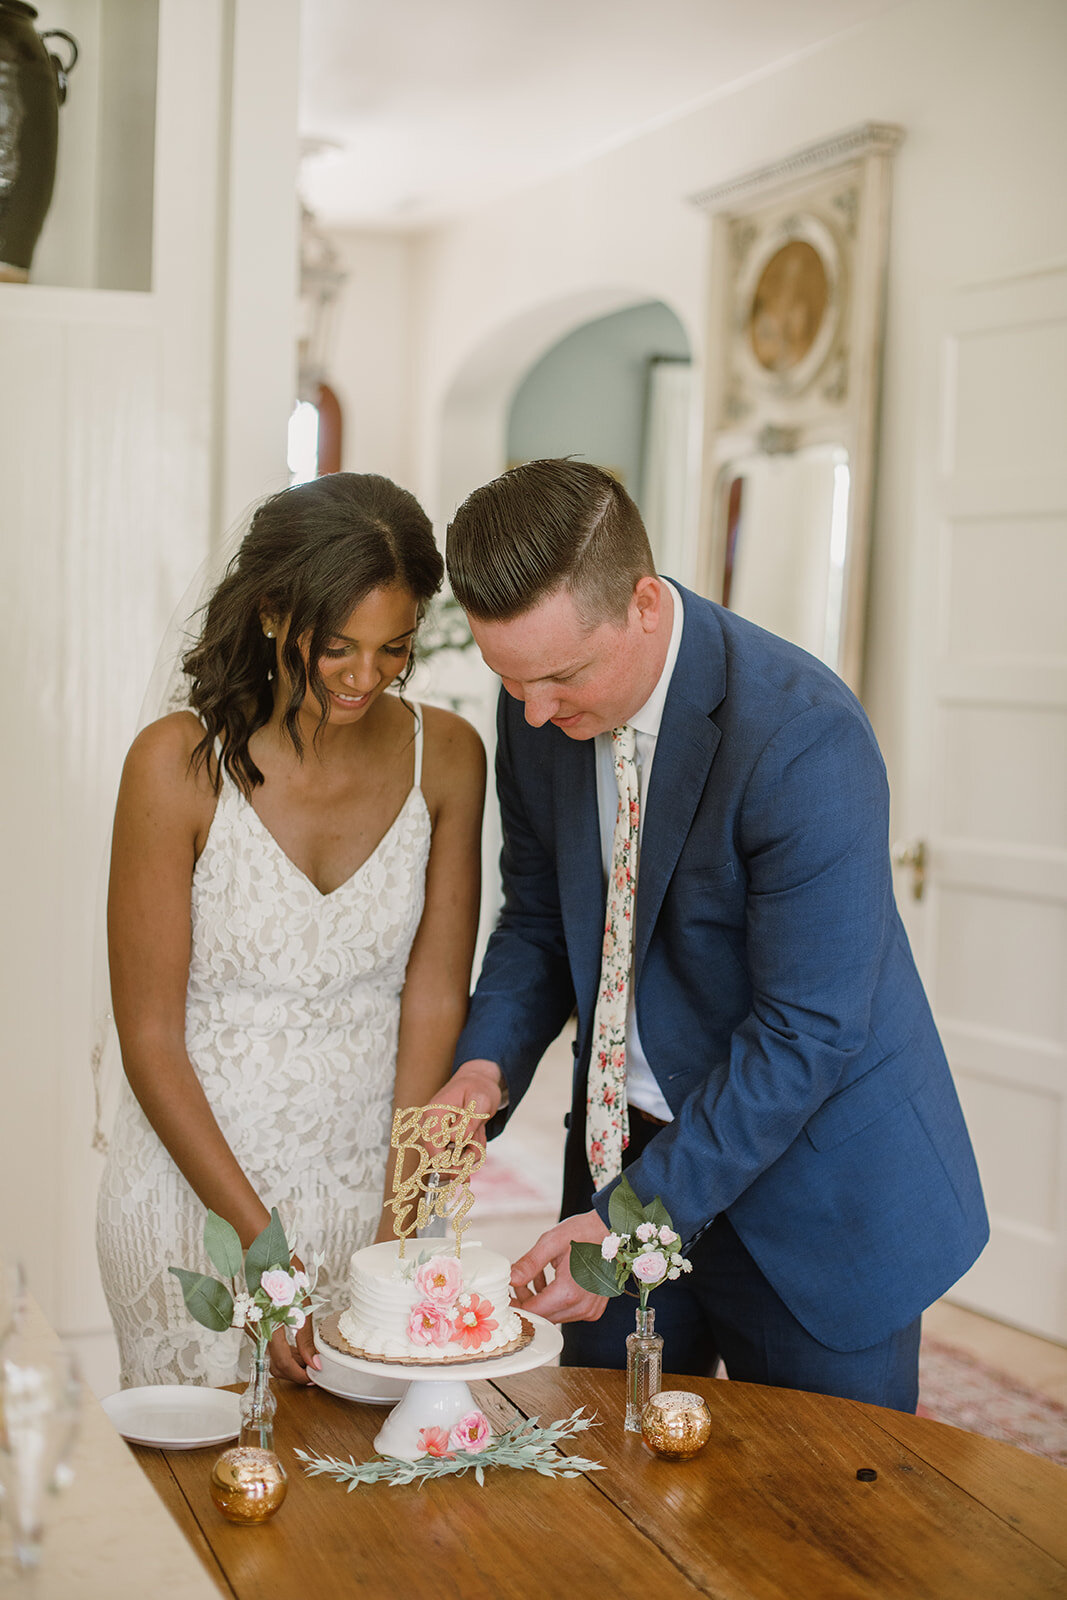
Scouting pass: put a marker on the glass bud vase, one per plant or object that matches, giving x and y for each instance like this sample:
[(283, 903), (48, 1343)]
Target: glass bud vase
[(248, 1482), (258, 1405), (644, 1367)]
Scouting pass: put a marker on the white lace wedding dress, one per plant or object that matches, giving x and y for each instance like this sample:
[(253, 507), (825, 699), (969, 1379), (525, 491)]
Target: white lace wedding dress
[(291, 1022)]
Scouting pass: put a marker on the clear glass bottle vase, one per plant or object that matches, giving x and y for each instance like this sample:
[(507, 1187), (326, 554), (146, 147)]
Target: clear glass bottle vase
[(258, 1405), (644, 1367), (248, 1481)]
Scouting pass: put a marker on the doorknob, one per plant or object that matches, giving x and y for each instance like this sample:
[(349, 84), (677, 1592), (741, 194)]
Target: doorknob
[(912, 855)]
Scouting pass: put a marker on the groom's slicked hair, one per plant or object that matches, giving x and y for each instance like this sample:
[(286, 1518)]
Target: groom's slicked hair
[(545, 526)]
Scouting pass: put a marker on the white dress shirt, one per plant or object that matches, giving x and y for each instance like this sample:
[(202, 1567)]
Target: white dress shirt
[(642, 1090)]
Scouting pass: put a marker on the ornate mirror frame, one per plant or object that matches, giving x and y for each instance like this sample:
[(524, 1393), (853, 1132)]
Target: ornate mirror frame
[(795, 328)]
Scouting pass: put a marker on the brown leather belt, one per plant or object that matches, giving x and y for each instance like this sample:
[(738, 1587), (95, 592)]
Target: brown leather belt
[(646, 1116)]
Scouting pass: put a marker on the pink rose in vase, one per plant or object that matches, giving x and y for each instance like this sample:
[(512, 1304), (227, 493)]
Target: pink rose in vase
[(650, 1268), (279, 1287)]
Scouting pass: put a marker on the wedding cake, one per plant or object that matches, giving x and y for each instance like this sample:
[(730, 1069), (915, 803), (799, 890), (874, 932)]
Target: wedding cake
[(428, 1305)]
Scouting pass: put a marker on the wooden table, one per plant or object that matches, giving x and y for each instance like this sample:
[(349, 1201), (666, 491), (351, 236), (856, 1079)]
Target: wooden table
[(771, 1510)]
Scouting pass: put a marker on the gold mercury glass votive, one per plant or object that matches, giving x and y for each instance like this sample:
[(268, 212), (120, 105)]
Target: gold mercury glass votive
[(248, 1485), (676, 1424)]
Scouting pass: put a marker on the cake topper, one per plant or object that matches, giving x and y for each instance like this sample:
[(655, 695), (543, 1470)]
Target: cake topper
[(443, 1141)]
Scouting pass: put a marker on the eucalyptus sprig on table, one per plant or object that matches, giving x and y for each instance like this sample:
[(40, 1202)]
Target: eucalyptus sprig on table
[(642, 1245), (524, 1447)]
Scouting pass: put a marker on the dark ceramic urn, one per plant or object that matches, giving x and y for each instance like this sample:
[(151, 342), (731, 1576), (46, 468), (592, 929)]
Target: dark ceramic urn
[(33, 85)]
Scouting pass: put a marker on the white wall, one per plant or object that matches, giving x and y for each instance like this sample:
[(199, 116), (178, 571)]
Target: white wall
[(978, 192), (369, 361), (132, 427), (587, 395)]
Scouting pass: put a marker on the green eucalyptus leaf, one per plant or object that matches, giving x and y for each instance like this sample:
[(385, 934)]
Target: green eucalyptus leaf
[(268, 1251), (223, 1245), (206, 1299), (625, 1211), (590, 1271)]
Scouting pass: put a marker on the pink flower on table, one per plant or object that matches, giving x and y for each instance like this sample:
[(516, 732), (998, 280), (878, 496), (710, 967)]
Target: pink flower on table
[(474, 1324), (440, 1280), (651, 1268), (429, 1324), (279, 1287), (433, 1442), (471, 1433)]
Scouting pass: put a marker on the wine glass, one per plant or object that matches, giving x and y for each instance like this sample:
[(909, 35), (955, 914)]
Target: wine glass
[(12, 1297), (39, 1396)]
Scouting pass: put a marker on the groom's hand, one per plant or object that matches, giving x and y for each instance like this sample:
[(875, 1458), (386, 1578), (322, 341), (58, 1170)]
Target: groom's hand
[(480, 1081), (560, 1300)]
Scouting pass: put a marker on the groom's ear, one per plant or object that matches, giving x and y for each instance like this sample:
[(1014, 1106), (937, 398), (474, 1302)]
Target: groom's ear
[(647, 603)]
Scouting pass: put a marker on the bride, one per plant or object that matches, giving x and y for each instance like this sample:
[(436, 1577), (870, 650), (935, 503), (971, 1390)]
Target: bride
[(292, 911)]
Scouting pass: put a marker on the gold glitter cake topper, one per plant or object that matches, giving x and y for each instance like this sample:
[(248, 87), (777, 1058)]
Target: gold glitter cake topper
[(443, 1141)]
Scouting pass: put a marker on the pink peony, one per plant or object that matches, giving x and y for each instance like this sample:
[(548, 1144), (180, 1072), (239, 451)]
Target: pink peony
[(440, 1280), (474, 1324), (651, 1268), (471, 1433), (434, 1442), (609, 1247), (428, 1324), (279, 1287)]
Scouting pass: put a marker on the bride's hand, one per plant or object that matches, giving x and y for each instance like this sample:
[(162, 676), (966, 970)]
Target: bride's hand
[(292, 1360)]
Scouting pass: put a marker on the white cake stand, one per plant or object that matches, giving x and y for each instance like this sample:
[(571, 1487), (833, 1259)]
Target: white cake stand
[(436, 1397)]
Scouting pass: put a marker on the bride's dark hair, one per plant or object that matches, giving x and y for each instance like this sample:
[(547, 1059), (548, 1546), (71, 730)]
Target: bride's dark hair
[(311, 554)]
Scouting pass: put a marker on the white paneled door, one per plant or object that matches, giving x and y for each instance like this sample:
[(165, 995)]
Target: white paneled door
[(992, 717)]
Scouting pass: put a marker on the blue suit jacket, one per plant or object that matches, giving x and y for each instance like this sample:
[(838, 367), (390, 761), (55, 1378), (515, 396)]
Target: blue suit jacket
[(778, 1002)]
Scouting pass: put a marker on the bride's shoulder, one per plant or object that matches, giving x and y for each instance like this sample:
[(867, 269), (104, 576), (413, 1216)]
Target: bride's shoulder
[(162, 755), (454, 753)]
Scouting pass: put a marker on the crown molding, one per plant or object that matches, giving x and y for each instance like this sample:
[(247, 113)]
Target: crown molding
[(865, 139)]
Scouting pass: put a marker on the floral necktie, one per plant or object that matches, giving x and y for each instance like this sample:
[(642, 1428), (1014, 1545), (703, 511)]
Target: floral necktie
[(607, 1125)]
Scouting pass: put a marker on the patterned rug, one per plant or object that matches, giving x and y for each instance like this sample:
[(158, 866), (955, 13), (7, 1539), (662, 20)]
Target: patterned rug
[(954, 1387)]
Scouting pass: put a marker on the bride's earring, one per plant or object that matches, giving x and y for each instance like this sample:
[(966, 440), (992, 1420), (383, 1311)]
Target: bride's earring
[(268, 630)]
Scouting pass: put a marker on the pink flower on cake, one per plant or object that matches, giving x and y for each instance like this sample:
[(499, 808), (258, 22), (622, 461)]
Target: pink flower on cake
[(471, 1433), (279, 1286), (433, 1442), (428, 1324), (474, 1324), (440, 1280)]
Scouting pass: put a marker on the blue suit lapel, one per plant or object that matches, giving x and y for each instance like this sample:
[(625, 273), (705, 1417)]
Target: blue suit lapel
[(685, 749)]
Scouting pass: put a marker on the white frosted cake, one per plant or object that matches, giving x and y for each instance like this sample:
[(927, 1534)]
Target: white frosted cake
[(428, 1306)]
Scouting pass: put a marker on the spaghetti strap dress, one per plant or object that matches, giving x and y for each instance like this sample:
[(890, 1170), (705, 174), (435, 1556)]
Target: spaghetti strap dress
[(291, 1022)]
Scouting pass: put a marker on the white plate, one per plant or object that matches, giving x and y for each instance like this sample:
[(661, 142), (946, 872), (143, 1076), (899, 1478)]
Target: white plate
[(348, 1385), (175, 1416)]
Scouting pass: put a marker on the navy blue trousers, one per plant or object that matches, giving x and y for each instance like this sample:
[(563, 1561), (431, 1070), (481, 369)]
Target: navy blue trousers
[(726, 1310)]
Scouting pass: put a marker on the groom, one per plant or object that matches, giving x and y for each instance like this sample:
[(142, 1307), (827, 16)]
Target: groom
[(753, 1043)]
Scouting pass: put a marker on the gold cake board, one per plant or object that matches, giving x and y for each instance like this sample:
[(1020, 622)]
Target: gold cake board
[(328, 1331)]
